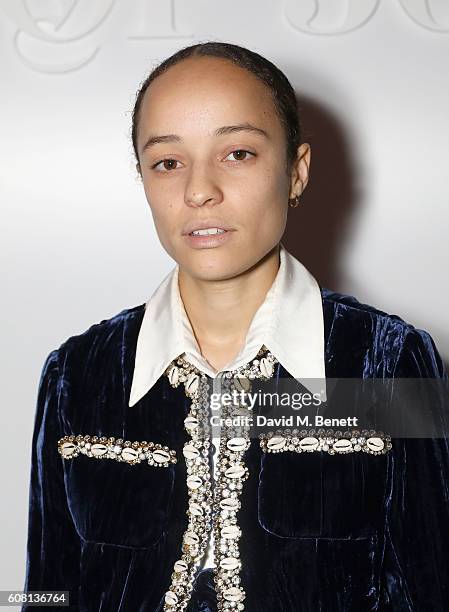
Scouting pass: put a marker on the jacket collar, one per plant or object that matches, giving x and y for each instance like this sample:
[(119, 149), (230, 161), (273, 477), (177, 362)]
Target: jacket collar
[(289, 323)]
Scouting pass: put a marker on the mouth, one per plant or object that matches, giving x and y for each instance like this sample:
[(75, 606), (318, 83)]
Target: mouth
[(210, 231), (208, 238)]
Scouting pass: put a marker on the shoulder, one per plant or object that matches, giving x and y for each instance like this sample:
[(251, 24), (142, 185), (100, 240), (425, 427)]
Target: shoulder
[(355, 307), (349, 307), (414, 347)]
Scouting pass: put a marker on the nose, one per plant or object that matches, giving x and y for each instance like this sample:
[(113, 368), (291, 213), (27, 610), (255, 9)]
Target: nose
[(201, 188)]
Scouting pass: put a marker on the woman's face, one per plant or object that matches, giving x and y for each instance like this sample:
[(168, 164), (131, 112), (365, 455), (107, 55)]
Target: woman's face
[(205, 169)]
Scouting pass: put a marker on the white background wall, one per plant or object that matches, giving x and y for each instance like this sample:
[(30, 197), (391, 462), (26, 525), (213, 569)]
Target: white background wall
[(78, 240)]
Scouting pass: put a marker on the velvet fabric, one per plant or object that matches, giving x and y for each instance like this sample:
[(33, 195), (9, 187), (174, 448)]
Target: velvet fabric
[(341, 533)]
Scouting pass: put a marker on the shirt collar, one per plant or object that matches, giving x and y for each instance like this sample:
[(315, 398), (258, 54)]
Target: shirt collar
[(289, 323)]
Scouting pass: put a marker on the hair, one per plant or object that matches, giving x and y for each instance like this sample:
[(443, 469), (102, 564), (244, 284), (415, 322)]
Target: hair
[(283, 94)]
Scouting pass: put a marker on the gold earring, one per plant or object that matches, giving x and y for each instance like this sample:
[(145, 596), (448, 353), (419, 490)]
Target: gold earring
[(295, 202)]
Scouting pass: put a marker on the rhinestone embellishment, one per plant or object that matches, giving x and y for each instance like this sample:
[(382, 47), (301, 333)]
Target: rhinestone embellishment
[(156, 455), (196, 452), (213, 509), (326, 440)]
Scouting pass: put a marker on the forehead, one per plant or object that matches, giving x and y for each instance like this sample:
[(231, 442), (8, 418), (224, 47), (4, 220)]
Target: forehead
[(199, 94)]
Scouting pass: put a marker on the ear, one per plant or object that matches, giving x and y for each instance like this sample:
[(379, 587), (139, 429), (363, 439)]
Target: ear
[(300, 170)]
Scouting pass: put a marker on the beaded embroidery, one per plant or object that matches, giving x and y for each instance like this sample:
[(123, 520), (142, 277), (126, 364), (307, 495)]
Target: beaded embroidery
[(215, 510), (326, 440), (157, 455)]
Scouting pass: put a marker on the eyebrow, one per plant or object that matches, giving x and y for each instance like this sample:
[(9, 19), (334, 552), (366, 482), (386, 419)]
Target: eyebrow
[(225, 129)]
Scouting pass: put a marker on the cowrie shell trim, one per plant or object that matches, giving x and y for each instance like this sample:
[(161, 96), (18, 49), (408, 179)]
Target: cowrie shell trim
[(213, 509), (326, 440), (126, 451)]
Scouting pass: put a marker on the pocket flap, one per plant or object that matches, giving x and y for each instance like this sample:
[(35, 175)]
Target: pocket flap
[(315, 485), (113, 496)]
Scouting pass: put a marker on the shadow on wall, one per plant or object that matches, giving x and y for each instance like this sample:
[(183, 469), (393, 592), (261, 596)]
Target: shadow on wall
[(316, 230)]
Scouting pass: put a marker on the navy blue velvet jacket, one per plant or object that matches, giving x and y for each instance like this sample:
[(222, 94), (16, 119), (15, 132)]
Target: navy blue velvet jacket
[(319, 532)]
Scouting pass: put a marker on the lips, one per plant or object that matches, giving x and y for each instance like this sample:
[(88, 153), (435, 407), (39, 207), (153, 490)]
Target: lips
[(208, 241)]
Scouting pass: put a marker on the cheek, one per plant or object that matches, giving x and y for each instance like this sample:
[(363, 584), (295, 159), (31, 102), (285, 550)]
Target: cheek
[(157, 192), (274, 219), (161, 207), (267, 206), (271, 223)]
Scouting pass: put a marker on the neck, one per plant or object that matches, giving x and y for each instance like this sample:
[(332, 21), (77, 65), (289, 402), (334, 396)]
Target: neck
[(221, 311)]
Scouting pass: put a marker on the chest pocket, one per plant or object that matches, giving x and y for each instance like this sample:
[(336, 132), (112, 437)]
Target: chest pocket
[(118, 493), (318, 495)]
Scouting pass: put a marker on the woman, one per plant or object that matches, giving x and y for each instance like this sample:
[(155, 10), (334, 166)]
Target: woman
[(136, 512)]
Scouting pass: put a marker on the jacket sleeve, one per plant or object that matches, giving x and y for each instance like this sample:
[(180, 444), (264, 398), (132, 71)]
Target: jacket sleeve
[(53, 546), (416, 555)]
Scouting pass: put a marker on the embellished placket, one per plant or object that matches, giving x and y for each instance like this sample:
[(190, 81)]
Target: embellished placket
[(215, 508)]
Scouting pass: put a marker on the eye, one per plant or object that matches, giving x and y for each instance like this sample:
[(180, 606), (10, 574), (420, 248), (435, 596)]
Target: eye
[(240, 151), (169, 164), (163, 161)]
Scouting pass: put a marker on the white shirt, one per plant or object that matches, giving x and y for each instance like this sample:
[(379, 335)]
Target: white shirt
[(289, 323)]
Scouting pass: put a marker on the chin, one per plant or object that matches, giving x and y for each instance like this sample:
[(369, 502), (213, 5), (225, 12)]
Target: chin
[(213, 264)]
